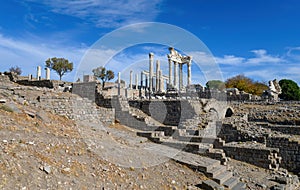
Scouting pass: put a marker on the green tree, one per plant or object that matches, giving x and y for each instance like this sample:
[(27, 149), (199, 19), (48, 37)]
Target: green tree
[(290, 90), (259, 88), (246, 84), (103, 74), (215, 84), (60, 65), (16, 70)]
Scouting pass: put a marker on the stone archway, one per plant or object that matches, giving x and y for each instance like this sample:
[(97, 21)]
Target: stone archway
[(229, 112)]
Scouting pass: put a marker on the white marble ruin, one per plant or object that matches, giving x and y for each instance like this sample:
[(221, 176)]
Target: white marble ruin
[(174, 58), (156, 82), (47, 73), (274, 90), (119, 83), (179, 61), (38, 73)]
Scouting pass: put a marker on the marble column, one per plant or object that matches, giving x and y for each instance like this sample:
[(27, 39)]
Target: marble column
[(47, 74), (170, 70), (142, 77), (38, 73), (157, 74), (130, 80), (189, 73), (147, 81), (175, 84), (151, 55), (119, 84), (161, 81), (180, 76), (136, 81)]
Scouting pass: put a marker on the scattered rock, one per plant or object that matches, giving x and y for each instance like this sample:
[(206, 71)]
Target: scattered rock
[(47, 169), (278, 187), (66, 170), (30, 113), (261, 185)]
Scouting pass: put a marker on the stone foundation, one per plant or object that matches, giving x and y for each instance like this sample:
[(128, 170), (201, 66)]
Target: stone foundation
[(289, 150), (254, 153)]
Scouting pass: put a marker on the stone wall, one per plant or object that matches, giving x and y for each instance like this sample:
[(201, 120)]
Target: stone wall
[(168, 112), (37, 83), (295, 130), (64, 103), (235, 133), (276, 113), (80, 109), (85, 90), (44, 83), (254, 153), (4, 78), (289, 150)]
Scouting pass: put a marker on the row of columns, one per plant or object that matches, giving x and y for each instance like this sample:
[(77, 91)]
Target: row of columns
[(177, 82), (178, 65), (136, 81), (39, 73)]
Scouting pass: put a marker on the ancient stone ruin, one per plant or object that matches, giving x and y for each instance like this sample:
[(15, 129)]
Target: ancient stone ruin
[(207, 131)]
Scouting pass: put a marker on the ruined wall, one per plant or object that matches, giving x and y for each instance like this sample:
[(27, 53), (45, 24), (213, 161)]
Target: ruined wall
[(85, 90), (234, 133), (44, 83), (295, 130), (4, 78), (65, 104), (37, 83), (79, 109), (289, 150), (254, 153), (168, 112)]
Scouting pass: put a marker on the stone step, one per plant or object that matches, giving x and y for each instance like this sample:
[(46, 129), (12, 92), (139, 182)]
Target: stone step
[(187, 146), (202, 164), (231, 182), (193, 138), (150, 134), (215, 153), (239, 186), (222, 177), (211, 185), (213, 172)]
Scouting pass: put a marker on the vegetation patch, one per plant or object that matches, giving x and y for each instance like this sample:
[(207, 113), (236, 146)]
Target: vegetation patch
[(6, 108)]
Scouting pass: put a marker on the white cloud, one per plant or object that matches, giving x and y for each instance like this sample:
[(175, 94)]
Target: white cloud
[(294, 53), (230, 60), (103, 13), (261, 56)]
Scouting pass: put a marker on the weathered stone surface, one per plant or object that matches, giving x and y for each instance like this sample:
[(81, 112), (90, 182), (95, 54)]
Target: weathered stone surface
[(211, 185)]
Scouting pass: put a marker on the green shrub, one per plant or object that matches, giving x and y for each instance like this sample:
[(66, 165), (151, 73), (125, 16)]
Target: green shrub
[(6, 108)]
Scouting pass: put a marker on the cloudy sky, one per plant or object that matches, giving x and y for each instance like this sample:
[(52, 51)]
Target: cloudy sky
[(260, 39)]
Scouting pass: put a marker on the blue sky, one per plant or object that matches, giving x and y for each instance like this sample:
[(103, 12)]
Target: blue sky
[(257, 38)]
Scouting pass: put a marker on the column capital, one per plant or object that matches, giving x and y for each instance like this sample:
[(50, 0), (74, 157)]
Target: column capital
[(151, 55)]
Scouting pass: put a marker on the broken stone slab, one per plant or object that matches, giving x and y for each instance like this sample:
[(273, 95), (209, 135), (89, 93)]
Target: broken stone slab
[(47, 169), (211, 185), (278, 187), (2, 101), (287, 179), (30, 113)]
